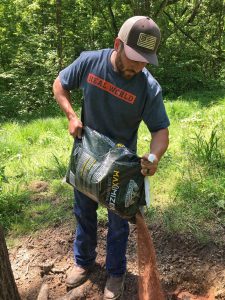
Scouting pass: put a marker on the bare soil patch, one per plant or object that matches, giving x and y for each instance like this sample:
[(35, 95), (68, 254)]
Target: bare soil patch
[(188, 270)]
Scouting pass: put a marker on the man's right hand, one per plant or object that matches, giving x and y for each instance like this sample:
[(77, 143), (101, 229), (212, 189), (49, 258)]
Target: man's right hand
[(63, 98), (75, 127)]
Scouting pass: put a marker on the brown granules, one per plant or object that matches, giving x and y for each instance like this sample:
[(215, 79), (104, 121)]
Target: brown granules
[(149, 283)]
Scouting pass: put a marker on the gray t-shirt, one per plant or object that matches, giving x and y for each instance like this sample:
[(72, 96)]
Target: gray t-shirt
[(113, 105)]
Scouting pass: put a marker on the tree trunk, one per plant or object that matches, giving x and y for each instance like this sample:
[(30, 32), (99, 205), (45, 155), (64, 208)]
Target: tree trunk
[(8, 288)]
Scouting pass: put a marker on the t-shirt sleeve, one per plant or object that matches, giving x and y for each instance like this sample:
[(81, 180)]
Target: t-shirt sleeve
[(71, 76), (154, 113)]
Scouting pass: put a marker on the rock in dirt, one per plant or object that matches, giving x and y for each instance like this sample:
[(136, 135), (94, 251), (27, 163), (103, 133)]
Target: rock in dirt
[(46, 268), (75, 294), (43, 294), (185, 295)]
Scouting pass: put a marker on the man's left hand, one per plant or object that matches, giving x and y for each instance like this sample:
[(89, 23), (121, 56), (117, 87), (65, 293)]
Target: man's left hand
[(148, 168)]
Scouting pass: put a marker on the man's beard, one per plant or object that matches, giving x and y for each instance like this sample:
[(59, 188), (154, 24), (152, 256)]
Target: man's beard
[(125, 73)]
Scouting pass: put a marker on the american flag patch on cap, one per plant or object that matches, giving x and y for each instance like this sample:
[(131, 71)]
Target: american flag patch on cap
[(146, 41)]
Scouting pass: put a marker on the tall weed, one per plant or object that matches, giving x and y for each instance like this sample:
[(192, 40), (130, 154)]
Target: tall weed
[(207, 151), (202, 180), (60, 166)]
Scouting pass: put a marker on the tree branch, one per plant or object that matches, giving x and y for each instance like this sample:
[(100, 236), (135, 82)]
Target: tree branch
[(113, 21), (163, 4), (100, 10), (189, 36), (161, 8), (170, 2), (194, 12)]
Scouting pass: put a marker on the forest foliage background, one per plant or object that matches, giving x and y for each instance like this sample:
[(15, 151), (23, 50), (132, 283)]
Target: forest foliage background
[(40, 37)]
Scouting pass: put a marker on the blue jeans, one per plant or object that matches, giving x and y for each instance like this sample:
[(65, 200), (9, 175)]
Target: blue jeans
[(86, 236)]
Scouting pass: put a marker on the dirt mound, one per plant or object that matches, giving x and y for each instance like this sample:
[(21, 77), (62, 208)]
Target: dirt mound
[(38, 186), (188, 270)]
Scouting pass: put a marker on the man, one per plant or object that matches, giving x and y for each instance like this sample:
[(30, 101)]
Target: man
[(119, 92)]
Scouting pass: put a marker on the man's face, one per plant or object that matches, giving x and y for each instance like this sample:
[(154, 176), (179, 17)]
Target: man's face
[(127, 67)]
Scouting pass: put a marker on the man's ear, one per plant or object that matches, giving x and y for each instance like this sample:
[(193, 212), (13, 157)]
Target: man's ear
[(117, 44)]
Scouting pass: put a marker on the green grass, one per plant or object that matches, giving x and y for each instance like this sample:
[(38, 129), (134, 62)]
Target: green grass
[(34, 151), (188, 191)]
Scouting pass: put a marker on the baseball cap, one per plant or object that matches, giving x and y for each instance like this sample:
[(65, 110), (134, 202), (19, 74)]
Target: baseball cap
[(141, 38)]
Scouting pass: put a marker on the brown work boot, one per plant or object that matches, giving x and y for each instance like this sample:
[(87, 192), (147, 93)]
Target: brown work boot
[(77, 276), (114, 287)]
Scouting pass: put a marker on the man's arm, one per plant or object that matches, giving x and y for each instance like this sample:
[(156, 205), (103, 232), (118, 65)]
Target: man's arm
[(158, 146), (63, 98)]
